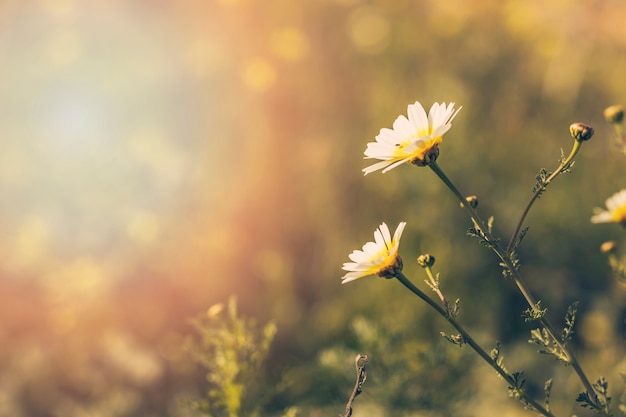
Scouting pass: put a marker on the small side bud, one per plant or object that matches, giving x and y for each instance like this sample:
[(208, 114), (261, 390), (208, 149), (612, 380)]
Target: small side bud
[(608, 247), (581, 132), (614, 114), (472, 200), (426, 260), (215, 310)]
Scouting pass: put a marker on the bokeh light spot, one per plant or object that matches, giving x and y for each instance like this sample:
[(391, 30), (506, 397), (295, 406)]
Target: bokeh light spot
[(368, 30), (259, 74), (289, 43)]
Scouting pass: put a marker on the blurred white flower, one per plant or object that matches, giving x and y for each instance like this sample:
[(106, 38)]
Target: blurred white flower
[(616, 213), (414, 140), (376, 258)]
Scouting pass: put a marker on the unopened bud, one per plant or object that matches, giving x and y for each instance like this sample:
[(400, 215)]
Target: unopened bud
[(614, 114), (608, 247), (215, 310), (580, 131), (472, 200), (425, 260)]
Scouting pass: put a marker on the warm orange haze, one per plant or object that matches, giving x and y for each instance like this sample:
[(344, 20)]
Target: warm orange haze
[(158, 157)]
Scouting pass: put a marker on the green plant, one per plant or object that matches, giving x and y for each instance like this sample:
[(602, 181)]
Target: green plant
[(415, 140), (232, 349)]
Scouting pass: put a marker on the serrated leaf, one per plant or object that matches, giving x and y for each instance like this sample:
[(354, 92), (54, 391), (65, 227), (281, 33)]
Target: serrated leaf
[(520, 237), (495, 352), (570, 319), (547, 390)]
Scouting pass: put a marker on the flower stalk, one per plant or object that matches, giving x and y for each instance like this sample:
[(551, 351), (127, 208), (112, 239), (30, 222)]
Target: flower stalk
[(467, 339), (415, 139), (426, 261), (510, 265), (564, 166)]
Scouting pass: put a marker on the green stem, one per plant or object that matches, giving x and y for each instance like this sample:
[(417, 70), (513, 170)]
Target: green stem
[(472, 343), (434, 284), (519, 282), (565, 164)]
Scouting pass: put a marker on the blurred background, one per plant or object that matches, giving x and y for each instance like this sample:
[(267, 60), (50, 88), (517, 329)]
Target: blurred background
[(158, 157)]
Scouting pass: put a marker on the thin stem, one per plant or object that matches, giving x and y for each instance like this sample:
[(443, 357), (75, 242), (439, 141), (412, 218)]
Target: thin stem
[(506, 259), (472, 213), (434, 284), (472, 343), (481, 224), (565, 164), (359, 362)]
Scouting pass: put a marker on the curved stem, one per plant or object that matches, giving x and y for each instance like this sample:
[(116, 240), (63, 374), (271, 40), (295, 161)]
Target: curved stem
[(434, 284), (361, 375), (481, 224), (507, 261), (472, 343), (565, 164), (472, 213)]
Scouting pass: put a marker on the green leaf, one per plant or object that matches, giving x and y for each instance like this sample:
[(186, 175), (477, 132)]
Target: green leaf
[(547, 390), (570, 319), (533, 314), (542, 182)]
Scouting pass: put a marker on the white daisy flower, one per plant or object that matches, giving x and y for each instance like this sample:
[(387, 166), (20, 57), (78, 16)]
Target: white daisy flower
[(616, 213), (376, 258), (414, 140)]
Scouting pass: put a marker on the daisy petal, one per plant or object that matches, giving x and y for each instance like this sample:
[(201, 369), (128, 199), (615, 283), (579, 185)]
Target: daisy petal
[(377, 257), (399, 145)]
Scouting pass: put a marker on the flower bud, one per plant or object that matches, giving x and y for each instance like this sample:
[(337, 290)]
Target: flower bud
[(426, 260), (580, 131), (608, 247), (215, 310), (472, 200), (614, 114)]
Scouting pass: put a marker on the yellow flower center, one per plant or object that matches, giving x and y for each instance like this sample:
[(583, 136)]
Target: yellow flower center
[(619, 215), (418, 154), (381, 261)]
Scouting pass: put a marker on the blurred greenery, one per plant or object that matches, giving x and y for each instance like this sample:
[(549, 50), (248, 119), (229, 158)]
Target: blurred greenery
[(219, 152), (232, 350)]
